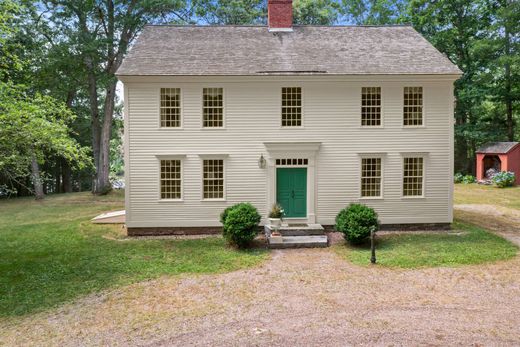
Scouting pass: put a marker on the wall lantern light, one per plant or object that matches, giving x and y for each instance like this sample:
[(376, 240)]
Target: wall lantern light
[(262, 162)]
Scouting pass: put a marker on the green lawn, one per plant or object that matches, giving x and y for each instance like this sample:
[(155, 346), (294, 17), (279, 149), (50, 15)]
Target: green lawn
[(481, 194), (50, 253), (473, 245)]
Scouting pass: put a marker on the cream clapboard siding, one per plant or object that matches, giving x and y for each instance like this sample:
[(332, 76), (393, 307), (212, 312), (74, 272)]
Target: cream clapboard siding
[(331, 108)]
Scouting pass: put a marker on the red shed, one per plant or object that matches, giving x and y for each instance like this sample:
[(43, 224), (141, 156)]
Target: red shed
[(500, 156)]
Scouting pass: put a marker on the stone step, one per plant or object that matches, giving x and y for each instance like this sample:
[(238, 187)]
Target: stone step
[(300, 242), (299, 230)]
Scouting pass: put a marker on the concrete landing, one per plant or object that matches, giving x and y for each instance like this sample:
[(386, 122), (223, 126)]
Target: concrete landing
[(311, 241), (114, 217)]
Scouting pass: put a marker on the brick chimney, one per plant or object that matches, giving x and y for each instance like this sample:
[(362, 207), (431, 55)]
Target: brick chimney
[(279, 15)]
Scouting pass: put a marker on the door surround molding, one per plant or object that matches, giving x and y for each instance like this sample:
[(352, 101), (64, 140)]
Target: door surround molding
[(300, 150)]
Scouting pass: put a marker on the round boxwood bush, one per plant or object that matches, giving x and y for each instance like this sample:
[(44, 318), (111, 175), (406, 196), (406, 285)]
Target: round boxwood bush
[(240, 224), (356, 222), (504, 179)]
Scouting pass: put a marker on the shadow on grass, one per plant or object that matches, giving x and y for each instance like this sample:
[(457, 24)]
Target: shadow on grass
[(473, 246), (44, 263)]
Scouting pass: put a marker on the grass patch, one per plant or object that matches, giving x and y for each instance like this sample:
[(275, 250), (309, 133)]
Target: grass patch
[(51, 253), (474, 245), (482, 194)]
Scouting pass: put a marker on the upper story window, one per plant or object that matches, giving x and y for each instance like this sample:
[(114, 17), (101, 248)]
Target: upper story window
[(213, 178), (213, 107), (370, 177), (413, 176), (413, 106), (170, 107), (170, 179), (291, 106), (371, 106)]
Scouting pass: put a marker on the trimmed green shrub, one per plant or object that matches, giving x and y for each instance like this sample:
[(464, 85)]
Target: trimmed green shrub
[(240, 224), (504, 179), (468, 179), (458, 177), (356, 222), (224, 214)]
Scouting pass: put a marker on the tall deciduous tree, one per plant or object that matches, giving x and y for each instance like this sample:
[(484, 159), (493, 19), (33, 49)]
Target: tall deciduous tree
[(503, 73), (100, 32), (316, 12), (373, 12), (456, 28), (231, 12), (249, 12), (36, 127)]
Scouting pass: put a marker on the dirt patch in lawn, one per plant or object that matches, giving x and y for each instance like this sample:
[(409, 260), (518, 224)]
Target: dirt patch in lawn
[(306, 297), (501, 220)]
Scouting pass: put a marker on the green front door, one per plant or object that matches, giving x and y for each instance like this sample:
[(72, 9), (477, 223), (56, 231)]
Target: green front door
[(291, 191)]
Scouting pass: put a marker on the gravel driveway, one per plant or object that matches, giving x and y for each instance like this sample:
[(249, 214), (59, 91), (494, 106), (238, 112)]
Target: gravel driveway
[(306, 297)]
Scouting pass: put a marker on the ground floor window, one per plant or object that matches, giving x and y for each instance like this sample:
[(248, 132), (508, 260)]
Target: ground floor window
[(213, 181), (370, 177), (170, 179), (413, 174)]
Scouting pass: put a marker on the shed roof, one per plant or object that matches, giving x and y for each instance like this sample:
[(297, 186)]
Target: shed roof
[(253, 50), (497, 147)]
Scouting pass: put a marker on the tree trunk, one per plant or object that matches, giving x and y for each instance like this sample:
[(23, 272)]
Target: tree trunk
[(66, 176), (57, 176), (95, 125), (103, 185), (36, 178), (507, 96)]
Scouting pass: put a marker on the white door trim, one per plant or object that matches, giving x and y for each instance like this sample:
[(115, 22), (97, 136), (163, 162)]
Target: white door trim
[(299, 150)]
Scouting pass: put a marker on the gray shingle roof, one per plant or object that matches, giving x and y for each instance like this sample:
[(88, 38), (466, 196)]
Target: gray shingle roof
[(497, 147), (253, 50)]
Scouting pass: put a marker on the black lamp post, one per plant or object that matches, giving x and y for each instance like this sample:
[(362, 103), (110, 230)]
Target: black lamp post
[(373, 246)]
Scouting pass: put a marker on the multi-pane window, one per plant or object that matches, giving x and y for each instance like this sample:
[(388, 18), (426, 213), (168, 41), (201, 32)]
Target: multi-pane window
[(213, 107), (213, 182), (170, 179), (413, 106), (413, 176), (371, 106), (291, 106), (371, 177), (292, 161), (170, 107)]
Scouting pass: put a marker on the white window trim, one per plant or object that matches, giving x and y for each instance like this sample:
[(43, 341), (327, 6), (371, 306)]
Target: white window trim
[(181, 114), (160, 157), (382, 125), (423, 125), (224, 103), (222, 157), (302, 107), (425, 169), (368, 155)]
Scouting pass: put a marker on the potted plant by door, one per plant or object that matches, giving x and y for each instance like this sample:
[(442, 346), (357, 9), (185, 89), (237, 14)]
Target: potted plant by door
[(275, 216)]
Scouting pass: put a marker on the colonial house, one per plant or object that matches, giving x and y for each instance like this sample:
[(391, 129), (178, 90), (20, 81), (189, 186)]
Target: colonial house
[(311, 117)]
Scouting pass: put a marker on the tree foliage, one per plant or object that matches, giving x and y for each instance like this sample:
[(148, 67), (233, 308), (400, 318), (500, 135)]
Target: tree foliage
[(482, 38), (63, 54), (36, 127)]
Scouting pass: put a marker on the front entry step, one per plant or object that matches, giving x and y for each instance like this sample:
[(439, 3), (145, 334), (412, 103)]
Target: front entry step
[(298, 241), (297, 229)]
